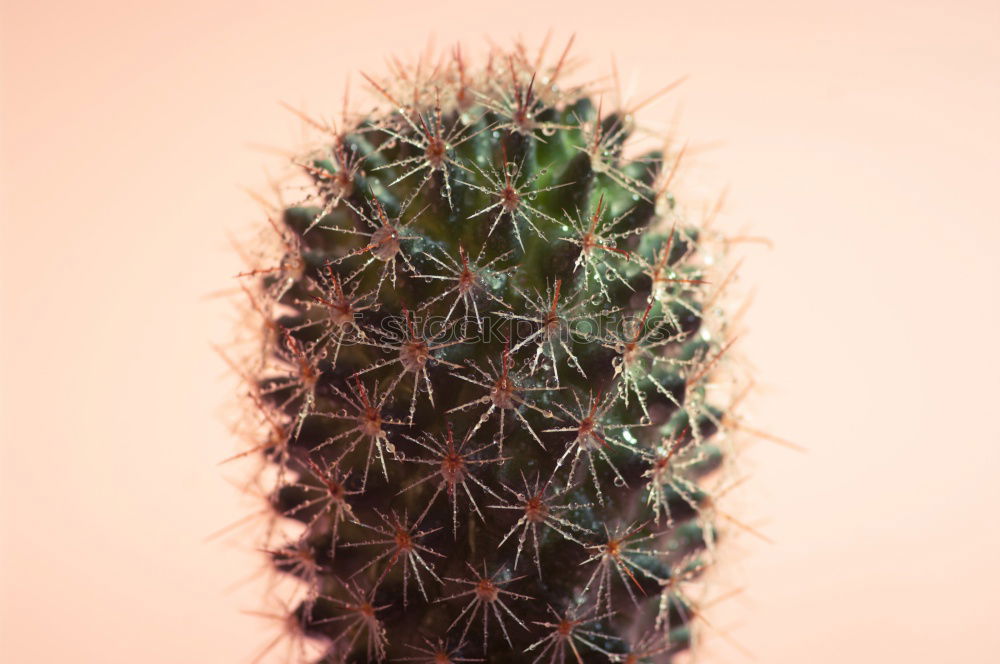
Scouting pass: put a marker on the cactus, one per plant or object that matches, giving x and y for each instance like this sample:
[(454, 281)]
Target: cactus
[(483, 378)]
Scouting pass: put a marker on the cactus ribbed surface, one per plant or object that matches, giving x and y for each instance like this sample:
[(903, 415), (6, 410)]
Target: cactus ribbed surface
[(486, 354)]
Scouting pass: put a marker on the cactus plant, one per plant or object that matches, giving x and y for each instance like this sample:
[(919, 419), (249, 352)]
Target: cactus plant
[(483, 377)]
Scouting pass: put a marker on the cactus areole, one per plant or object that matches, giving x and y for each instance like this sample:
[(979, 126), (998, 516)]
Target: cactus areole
[(486, 382)]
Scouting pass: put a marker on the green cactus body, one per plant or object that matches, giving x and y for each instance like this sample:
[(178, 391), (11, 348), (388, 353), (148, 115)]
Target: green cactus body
[(485, 370)]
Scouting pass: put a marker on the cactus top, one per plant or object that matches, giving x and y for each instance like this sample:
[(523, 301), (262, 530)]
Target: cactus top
[(483, 376)]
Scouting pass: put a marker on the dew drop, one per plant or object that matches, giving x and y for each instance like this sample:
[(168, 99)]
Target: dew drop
[(619, 482), (548, 131)]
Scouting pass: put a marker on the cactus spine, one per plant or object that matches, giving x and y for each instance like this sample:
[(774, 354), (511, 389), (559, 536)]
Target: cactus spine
[(486, 353)]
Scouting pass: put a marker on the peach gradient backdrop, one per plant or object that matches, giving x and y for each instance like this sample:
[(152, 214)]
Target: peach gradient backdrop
[(861, 136)]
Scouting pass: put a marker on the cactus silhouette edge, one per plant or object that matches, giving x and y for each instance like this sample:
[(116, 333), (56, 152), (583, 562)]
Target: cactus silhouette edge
[(487, 385)]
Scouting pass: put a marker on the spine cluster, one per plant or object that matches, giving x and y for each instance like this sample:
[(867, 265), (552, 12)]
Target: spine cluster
[(486, 378)]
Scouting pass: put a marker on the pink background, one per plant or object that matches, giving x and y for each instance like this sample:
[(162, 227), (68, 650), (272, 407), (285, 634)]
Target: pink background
[(860, 136)]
